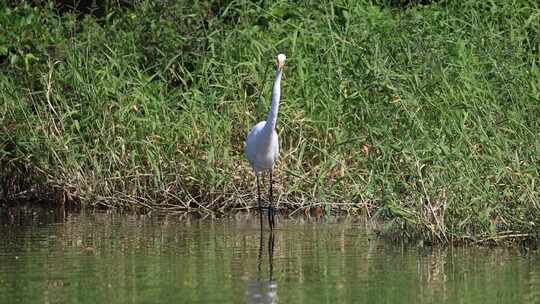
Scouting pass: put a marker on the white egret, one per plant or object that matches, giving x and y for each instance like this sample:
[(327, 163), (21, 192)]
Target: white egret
[(262, 144)]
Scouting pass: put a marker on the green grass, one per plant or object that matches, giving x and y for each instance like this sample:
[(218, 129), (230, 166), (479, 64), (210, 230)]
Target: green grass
[(426, 116)]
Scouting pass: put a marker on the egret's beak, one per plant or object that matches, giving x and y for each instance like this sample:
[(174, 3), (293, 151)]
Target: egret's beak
[(280, 65), (280, 61)]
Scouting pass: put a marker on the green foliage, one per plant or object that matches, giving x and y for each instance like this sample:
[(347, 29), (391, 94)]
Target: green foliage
[(426, 114)]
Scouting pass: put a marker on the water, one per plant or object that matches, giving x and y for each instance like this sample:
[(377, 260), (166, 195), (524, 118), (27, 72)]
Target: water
[(112, 258)]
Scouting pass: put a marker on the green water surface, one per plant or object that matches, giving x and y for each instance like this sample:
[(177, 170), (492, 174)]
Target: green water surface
[(114, 258)]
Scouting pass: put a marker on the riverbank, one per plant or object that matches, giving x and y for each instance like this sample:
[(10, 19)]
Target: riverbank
[(425, 116)]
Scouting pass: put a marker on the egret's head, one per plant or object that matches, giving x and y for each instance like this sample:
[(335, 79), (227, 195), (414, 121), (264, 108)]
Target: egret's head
[(281, 61)]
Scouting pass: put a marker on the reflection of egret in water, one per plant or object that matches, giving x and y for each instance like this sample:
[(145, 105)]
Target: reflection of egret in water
[(260, 290)]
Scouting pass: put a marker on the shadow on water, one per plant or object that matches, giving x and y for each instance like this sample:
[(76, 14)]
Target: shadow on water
[(263, 290), (29, 214)]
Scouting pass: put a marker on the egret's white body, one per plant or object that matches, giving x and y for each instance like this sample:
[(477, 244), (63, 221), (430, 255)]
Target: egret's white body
[(262, 147), (262, 143)]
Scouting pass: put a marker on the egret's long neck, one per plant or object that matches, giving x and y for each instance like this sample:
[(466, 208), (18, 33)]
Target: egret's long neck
[(271, 120)]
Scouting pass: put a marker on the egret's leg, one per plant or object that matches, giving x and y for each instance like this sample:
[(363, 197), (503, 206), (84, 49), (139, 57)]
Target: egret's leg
[(271, 222), (259, 201)]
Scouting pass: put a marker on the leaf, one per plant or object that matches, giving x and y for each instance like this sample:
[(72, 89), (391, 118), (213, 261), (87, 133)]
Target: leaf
[(13, 59)]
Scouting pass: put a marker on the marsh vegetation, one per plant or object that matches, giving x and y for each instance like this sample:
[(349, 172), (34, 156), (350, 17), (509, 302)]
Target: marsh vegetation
[(423, 114)]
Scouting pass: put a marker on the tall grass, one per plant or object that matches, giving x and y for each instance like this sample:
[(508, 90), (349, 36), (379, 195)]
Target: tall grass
[(426, 116)]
